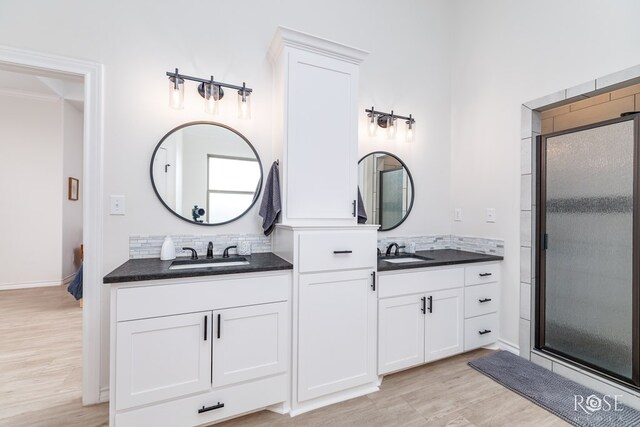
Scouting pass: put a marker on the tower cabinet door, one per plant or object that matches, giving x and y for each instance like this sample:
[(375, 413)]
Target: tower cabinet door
[(444, 324), (249, 342), (162, 358), (400, 333), (322, 138), (336, 332)]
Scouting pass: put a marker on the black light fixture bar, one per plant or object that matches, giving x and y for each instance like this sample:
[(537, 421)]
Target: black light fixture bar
[(207, 81), (383, 114)]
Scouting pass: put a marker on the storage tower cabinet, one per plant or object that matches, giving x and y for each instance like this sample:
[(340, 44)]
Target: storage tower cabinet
[(334, 258)]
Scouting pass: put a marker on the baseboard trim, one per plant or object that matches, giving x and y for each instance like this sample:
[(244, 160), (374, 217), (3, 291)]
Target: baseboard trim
[(330, 399), (104, 395), (28, 285), (507, 346)]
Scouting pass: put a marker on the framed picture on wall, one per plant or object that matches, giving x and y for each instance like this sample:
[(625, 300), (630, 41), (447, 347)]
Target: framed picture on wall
[(74, 188)]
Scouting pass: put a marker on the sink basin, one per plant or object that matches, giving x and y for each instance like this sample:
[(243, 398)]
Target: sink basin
[(402, 259), (207, 263)]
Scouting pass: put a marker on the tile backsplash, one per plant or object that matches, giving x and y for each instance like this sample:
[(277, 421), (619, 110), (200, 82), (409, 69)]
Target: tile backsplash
[(446, 241), (149, 246)]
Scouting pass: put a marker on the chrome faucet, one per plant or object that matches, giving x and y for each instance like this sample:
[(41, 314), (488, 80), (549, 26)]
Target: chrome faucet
[(225, 254), (194, 254)]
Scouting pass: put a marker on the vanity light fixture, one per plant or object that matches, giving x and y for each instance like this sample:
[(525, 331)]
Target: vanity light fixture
[(211, 91), (389, 121)]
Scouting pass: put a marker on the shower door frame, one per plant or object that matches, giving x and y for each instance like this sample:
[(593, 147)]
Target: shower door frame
[(540, 254)]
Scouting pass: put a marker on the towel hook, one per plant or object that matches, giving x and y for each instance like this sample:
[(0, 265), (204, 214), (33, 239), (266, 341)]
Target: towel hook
[(278, 162)]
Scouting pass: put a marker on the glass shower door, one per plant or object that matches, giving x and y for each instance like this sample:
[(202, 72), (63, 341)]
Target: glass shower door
[(587, 246)]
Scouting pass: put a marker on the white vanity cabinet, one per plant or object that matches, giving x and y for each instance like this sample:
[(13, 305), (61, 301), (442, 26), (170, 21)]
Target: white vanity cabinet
[(426, 314), (196, 350)]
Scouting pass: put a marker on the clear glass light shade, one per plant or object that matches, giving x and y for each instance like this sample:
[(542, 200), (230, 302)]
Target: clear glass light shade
[(244, 105), (176, 93), (411, 131), (372, 125), (212, 99), (392, 128)]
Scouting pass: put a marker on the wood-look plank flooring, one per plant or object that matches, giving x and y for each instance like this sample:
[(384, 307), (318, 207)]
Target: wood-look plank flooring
[(41, 379), (41, 360)]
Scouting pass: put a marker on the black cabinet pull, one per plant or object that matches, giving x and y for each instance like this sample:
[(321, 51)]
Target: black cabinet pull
[(373, 281), (211, 408), (424, 305), (486, 331), (484, 300), (219, 328), (430, 304), (484, 274), (342, 252), (206, 318), (354, 208)]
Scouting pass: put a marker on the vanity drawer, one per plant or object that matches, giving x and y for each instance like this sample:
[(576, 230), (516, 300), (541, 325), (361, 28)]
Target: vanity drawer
[(484, 273), (480, 331), (481, 299), (237, 400), (337, 250)]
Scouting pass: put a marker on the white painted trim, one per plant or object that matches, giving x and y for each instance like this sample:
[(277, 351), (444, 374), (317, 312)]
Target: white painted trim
[(507, 346), (28, 285), (29, 95), (104, 394), (92, 200), (288, 37)]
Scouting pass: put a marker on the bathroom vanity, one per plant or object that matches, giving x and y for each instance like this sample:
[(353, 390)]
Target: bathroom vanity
[(191, 347)]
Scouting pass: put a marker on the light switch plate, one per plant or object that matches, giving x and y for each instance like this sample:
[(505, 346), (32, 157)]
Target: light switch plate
[(118, 205), (491, 214), (457, 215)]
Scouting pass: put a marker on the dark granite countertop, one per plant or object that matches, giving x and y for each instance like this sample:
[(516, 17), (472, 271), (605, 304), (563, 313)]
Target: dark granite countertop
[(439, 257), (136, 270)]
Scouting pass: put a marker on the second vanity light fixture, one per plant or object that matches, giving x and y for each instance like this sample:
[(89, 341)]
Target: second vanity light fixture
[(211, 91), (389, 121)]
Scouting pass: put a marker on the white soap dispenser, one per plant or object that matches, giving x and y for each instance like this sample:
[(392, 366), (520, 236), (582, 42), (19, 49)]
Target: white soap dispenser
[(168, 251)]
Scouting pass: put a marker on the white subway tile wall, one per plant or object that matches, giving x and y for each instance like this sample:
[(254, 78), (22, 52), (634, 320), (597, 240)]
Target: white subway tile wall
[(149, 246)]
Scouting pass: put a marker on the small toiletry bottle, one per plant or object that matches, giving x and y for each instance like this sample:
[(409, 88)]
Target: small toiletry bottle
[(168, 251)]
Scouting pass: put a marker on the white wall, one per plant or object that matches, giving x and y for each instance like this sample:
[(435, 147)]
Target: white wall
[(507, 53), (408, 70), (30, 190), (72, 140)]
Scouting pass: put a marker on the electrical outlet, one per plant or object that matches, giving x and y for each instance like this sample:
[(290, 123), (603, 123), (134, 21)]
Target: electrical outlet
[(491, 214), (118, 205), (457, 216)]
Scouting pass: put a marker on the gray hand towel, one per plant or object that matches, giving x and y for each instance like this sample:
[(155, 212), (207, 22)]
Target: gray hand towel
[(270, 207), (362, 213)]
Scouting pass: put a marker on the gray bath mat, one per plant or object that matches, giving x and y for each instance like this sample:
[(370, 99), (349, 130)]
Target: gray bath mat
[(571, 401)]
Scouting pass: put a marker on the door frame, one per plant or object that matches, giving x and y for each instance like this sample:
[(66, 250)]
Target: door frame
[(540, 254), (92, 204)]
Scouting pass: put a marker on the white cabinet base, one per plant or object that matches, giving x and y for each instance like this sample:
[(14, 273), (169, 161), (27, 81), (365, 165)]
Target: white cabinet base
[(352, 393)]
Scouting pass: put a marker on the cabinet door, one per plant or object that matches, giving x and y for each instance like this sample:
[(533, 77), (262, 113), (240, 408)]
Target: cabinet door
[(322, 138), (249, 342), (400, 333), (444, 325), (162, 358), (336, 332)]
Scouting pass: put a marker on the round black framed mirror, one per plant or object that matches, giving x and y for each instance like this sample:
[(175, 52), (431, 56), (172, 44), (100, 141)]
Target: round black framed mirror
[(387, 190), (206, 173)]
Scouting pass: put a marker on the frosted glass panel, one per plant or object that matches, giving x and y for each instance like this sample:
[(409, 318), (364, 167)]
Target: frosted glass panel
[(391, 197), (589, 184)]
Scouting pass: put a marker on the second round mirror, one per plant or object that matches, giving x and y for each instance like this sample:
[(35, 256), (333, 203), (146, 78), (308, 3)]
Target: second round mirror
[(386, 187)]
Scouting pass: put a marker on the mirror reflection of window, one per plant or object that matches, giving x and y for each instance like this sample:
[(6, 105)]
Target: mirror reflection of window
[(232, 185), (207, 165)]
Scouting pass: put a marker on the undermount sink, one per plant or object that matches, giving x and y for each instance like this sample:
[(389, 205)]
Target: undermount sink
[(207, 263), (401, 259)]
